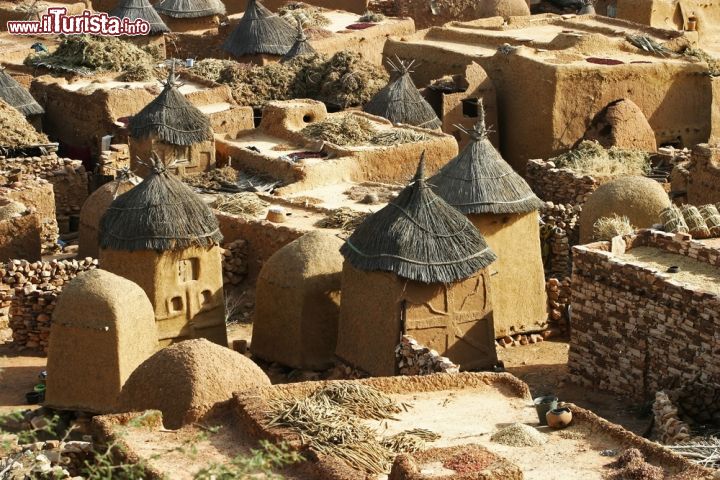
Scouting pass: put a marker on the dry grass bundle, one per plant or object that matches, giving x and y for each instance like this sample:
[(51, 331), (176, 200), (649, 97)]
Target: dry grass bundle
[(371, 17), (400, 101), (591, 158), (343, 218), (255, 85), (631, 465), (15, 131), (342, 130), (16, 96), (308, 15), (606, 228), (211, 68), (701, 55), (695, 221), (330, 421), (398, 136), (420, 237), (84, 54), (11, 209), (347, 80), (383, 193), (214, 179), (246, 204), (673, 221), (711, 215)]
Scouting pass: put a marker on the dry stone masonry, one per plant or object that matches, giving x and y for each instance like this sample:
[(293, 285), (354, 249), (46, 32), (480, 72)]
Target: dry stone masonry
[(559, 232), (634, 330), (559, 185), (416, 359), (235, 262), (28, 294)]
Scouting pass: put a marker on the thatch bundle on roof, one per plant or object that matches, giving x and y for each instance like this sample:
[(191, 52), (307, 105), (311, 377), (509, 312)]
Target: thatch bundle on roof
[(260, 32), (478, 180), (171, 118), (420, 237), (140, 10), (401, 102), (16, 96), (161, 213), (15, 131), (301, 45), (190, 8)]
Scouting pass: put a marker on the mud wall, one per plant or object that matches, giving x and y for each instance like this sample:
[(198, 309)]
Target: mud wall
[(635, 331), (356, 6), (455, 10), (703, 178), (20, 238)]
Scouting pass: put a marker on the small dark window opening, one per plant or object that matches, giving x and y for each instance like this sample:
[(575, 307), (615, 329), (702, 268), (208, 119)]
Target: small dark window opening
[(471, 107), (309, 118), (257, 116)]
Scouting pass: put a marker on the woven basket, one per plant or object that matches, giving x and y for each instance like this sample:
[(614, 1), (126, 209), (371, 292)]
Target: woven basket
[(695, 222), (711, 215), (673, 220)]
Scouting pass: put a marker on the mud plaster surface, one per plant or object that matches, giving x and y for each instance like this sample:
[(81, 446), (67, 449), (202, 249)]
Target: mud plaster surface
[(472, 416)]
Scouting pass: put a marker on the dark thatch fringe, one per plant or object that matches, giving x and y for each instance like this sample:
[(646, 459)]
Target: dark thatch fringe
[(162, 214), (260, 31), (16, 96), (478, 180), (171, 118), (301, 45), (140, 9), (190, 8), (401, 102), (420, 237)]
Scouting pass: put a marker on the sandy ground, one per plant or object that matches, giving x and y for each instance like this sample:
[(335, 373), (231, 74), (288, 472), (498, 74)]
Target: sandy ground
[(472, 416)]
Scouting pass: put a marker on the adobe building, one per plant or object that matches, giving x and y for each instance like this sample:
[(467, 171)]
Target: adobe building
[(279, 149), (501, 205), (173, 129), (102, 328), (697, 179), (163, 237), (417, 267), (553, 75)]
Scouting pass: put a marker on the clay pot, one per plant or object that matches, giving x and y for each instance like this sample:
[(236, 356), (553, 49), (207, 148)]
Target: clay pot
[(692, 24), (559, 417), (276, 215), (544, 405)]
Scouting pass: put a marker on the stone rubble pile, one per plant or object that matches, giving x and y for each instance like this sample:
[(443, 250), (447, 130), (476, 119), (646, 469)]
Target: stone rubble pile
[(235, 262), (559, 232), (415, 359), (559, 293), (669, 428), (559, 185), (522, 339), (28, 294)]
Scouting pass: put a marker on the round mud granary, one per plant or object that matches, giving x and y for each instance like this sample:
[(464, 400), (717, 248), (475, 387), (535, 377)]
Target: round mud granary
[(186, 380), (297, 303), (622, 124), (640, 199), (92, 212)]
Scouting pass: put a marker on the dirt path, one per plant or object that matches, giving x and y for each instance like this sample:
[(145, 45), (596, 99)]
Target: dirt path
[(18, 375)]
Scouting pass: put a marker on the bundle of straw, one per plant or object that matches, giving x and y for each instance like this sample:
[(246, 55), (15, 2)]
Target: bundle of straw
[(695, 222), (673, 221), (711, 215)]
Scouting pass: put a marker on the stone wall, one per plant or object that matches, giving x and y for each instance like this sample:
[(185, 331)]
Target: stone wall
[(559, 185), (28, 294), (416, 359), (559, 232), (636, 331), (701, 176)]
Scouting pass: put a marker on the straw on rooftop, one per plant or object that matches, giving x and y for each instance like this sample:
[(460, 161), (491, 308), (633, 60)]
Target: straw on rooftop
[(301, 45), (478, 180), (140, 10), (419, 237), (401, 102), (161, 213), (171, 118), (260, 32), (190, 8), (16, 96)]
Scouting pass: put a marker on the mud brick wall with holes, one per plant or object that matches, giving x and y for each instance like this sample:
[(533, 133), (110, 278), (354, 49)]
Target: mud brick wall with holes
[(559, 185), (634, 330), (28, 294), (68, 178)]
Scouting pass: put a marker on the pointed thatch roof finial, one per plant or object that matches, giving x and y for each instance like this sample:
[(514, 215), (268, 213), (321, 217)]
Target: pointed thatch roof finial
[(161, 213), (419, 237), (301, 46), (190, 8), (400, 101), (171, 118), (140, 10), (478, 180), (16, 96), (260, 32)]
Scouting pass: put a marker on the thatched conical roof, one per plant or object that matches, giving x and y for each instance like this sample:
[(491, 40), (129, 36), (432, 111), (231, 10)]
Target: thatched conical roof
[(140, 9), (478, 180), (171, 118), (419, 237), (16, 96), (161, 213), (401, 102), (190, 8), (301, 46), (260, 31)]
